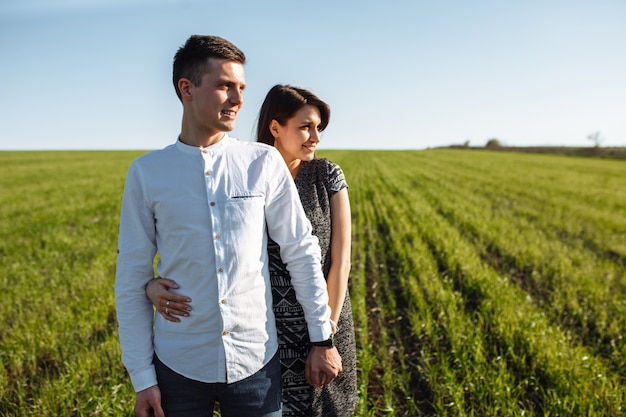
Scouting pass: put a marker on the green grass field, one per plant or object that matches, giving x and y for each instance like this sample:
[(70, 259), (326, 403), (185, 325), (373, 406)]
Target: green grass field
[(483, 283)]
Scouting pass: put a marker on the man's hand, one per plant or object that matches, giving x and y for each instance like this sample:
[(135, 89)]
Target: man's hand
[(322, 366), (148, 403)]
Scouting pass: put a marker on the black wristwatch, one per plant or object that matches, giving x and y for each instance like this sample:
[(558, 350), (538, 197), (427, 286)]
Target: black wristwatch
[(330, 342)]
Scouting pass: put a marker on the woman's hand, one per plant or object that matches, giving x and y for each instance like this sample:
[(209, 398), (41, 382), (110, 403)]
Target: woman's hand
[(168, 304)]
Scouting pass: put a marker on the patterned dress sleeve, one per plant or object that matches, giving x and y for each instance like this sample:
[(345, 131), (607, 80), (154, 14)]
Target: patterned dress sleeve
[(336, 179)]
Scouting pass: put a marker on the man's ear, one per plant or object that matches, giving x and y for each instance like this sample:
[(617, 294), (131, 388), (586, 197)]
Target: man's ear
[(275, 128), (185, 87)]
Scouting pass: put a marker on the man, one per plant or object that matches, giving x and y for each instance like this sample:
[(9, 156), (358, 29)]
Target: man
[(206, 204)]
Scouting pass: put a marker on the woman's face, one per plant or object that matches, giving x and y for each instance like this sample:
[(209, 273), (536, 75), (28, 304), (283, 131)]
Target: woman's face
[(300, 135)]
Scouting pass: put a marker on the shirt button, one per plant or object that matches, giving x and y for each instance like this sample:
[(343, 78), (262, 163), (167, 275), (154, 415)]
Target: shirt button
[(212, 203), (223, 301), (217, 236), (204, 151), (224, 333), (208, 173), (221, 270)]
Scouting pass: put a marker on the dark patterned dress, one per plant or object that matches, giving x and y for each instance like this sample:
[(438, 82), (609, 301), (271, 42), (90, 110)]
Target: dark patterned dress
[(317, 181)]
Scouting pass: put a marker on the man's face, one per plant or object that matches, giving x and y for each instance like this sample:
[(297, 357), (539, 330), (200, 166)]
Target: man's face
[(216, 101)]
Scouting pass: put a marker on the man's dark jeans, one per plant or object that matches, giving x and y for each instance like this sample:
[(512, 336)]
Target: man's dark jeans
[(257, 395)]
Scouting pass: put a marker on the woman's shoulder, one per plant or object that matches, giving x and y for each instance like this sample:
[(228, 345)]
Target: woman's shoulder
[(324, 164), (329, 172)]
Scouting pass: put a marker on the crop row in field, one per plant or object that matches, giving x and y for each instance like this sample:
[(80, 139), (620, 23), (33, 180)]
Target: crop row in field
[(494, 282)]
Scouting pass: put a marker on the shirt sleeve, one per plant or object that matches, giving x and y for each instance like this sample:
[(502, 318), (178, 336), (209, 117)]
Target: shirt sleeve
[(289, 227), (136, 252)]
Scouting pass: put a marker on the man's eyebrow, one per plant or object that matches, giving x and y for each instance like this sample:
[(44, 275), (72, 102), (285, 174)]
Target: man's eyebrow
[(229, 82)]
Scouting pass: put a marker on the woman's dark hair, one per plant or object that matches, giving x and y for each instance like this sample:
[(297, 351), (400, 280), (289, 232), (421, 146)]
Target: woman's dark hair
[(192, 59), (281, 103)]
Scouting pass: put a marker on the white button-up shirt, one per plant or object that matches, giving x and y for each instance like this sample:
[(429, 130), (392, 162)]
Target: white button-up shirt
[(207, 212)]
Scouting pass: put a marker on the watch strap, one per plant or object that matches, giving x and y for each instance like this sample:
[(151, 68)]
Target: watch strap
[(330, 342)]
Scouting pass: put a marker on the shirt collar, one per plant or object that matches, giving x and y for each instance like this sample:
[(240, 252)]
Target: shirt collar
[(194, 150)]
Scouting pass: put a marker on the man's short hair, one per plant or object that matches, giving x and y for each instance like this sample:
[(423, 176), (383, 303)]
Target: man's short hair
[(192, 59)]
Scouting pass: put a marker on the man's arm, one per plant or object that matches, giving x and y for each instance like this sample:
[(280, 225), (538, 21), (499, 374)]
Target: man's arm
[(136, 251), (289, 227), (300, 251)]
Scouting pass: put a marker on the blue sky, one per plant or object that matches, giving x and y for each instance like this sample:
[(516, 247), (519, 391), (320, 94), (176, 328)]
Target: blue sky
[(79, 74)]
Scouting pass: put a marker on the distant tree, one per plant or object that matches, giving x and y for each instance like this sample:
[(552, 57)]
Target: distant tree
[(466, 143), (493, 143), (595, 138)]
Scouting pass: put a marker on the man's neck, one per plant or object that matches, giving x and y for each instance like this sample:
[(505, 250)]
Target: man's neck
[(200, 139)]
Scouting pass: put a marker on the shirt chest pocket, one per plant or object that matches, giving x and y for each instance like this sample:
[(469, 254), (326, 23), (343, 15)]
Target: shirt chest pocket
[(244, 215)]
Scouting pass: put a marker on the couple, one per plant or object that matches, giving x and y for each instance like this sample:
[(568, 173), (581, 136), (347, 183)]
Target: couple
[(223, 216)]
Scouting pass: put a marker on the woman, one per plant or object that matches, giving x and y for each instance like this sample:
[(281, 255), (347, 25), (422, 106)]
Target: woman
[(291, 120)]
